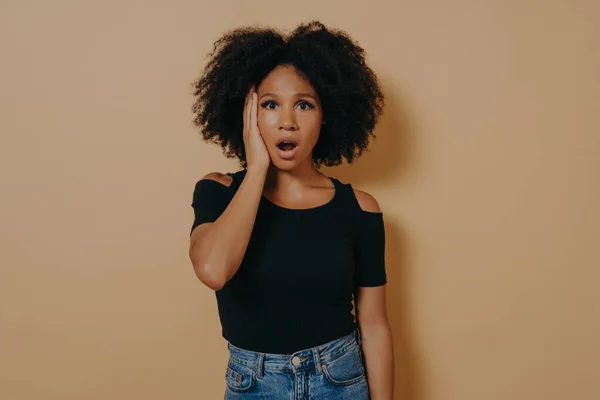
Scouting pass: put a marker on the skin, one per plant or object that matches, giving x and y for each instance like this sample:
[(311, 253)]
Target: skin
[(289, 106), (285, 104)]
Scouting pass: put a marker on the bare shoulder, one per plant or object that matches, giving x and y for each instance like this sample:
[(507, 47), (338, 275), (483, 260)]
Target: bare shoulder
[(219, 177), (366, 201)]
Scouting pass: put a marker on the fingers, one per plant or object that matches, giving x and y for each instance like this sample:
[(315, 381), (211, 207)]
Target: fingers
[(247, 111), (253, 115)]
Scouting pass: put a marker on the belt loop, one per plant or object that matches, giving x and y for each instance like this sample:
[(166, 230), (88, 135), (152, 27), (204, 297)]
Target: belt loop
[(317, 360), (357, 335), (260, 365)]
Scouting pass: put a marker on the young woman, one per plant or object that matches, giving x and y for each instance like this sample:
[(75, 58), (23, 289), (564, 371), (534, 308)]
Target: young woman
[(286, 248)]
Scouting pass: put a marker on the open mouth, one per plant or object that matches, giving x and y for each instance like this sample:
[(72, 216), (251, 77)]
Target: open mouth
[(287, 146)]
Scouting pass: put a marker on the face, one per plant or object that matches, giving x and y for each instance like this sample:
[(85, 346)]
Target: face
[(288, 107)]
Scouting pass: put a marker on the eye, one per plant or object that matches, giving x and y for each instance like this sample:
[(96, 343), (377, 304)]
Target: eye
[(304, 105), (307, 104), (267, 103)]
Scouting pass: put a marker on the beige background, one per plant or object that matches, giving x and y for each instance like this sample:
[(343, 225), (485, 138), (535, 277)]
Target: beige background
[(485, 164)]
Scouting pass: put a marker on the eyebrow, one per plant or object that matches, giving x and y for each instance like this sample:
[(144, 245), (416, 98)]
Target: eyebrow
[(297, 94)]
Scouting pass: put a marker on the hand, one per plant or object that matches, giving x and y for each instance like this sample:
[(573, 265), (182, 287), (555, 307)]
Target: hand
[(257, 155)]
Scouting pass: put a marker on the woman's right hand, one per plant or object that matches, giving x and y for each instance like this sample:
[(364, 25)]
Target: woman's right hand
[(257, 155)]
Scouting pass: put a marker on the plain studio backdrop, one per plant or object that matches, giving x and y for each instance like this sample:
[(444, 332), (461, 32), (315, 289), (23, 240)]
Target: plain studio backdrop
[(486, 165)]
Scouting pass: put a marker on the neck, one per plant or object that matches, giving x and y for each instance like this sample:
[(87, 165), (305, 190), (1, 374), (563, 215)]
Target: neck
[(302, 175)]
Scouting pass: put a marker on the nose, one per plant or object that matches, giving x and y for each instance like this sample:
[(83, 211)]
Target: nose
[(288, 121), (289, 126)]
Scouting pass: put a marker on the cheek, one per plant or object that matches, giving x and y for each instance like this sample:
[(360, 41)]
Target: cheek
[(266, 119), (312, 127)]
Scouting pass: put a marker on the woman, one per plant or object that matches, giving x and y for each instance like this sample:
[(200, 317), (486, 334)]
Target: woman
[(286, 248)]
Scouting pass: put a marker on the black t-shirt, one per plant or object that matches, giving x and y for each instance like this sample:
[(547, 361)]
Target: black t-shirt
[(295, 285)]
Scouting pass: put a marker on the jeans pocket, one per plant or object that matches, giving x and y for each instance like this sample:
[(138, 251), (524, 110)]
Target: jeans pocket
[(239, 378), (346, 369)]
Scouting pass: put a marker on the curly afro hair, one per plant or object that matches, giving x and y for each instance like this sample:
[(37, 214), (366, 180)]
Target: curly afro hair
[(330, 60)]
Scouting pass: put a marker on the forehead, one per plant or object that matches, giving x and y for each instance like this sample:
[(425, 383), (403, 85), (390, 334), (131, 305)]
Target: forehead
[(285, 80)]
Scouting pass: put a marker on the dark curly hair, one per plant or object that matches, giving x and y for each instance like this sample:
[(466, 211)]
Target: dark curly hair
[(329, 59)]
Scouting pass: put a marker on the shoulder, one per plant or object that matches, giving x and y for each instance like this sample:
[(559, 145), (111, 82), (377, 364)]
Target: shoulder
[(223, 179), (366, 201)]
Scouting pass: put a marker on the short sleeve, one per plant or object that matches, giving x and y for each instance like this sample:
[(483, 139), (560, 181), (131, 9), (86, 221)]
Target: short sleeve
[(209, 201), (369, 250)]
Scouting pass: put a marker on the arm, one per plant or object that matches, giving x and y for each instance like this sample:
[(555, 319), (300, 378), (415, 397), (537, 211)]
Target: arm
[(377, 343), (217, 248)]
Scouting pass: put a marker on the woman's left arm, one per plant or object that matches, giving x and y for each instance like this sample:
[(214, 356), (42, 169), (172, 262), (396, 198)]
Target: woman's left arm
[(377, 343), (371, 310)]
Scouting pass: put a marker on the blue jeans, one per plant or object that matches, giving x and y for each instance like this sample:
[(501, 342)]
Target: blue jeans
[(332, 371)]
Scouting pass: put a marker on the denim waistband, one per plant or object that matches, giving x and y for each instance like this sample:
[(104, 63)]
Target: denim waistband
[(300, 360)]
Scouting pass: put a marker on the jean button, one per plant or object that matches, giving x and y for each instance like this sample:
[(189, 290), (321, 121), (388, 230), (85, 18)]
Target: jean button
[(296, 361)]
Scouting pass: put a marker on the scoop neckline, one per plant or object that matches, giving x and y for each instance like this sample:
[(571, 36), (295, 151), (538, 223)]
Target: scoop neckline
[(330, 201)]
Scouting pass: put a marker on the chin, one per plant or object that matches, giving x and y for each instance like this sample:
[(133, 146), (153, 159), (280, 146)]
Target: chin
[(285, 165), (288, 165)]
